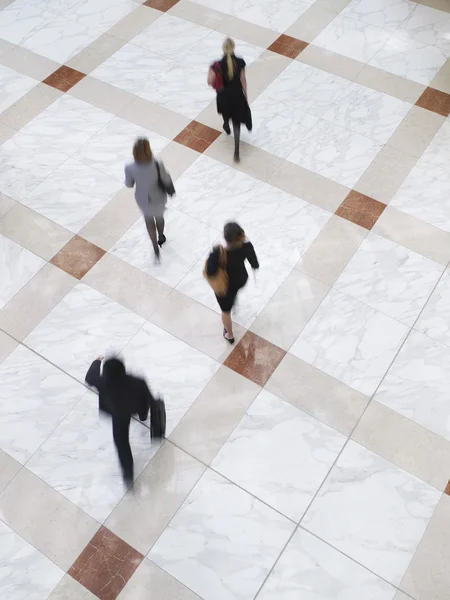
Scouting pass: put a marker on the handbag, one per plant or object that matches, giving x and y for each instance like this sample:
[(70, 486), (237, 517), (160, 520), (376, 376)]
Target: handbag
[(218, 80), (218, 281), (167, 189)]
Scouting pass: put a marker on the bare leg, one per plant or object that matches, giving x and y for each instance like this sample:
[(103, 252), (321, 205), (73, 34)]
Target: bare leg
[(151, 228), (237, 137), (160, 228), (228, 325)]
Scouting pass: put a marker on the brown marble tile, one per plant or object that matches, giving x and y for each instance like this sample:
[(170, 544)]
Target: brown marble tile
[(77, 257), (447, 488), (288, 46), (64, 78), (163, 5), (255, 358), (435, 101), (360, 209), (197, 136), (105, 565)]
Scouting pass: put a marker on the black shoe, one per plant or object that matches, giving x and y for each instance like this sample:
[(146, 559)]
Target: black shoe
[(161, 240), (226, 128), (229, 340)]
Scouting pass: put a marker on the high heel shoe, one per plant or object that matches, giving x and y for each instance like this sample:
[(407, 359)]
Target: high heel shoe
[(161, 240), (226, 128), (229, 340)]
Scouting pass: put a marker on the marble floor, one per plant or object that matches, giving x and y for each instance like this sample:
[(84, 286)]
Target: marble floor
[(311, 461)]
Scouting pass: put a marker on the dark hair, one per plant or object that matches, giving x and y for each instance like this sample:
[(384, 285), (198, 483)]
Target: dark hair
[(233, 233), (142, 151), (114, 369)]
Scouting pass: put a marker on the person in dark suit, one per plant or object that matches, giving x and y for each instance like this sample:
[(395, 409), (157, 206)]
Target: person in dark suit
[(121, 395)]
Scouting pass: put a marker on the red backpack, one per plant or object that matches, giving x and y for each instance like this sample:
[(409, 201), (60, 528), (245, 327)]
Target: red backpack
[(218, 80)]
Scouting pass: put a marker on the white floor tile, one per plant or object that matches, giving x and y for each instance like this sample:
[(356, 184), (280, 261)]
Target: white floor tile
[(387, 14), (13, 86)]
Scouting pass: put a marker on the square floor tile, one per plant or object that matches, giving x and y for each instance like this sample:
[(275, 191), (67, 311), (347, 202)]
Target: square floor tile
[(435, 101), (94, 324), (390, 278), (173, 369), (102, 15), (352, 38), (77, 257), (372, 511), (197, 136), (162, 5), (387, 14), (72, 194), (335, 152), (21, 19), (287, 46), (360, 209), (9, 467), (240, 540), (310, 569), (79, 459), (417, 384), (429, 26), (276, 18), (433, 319), (17, 267), (273, 454), (24, 570), (13, 86), (105, 565), (437, 152), (28, 381), (350, 341), (64, 78)]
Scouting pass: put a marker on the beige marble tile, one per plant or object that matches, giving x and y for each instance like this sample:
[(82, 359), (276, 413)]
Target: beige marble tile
[(154, 117), (441, 81), (30, 105), (391, 84), (69, 589), (5, 133), (308, 186), (7, 345), (196, 13), (46, 519), (415, 234), (331, 251), (6, 204), (428, 575), (35, 300), (416, 131), (405, 443), (213, 416), (95, 53), (110, 223), (247, 32), (437, 4), (28, 63), (284, 317), (340, 65), (310, 23), (318, 394), (262, 72), (161, 488), (195, 324), (177, 158), (5, 46), (9, 467), (150, 582), (128, 27), (34, 232), (385, 174), (334, 5), (210, 117), (127, 285), (103, 95)]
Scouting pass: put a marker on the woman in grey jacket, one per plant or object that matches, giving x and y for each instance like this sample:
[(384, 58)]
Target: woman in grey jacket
[(153, 183)]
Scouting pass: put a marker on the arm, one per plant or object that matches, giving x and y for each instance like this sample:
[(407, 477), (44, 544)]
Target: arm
[(211, 76), (244, 81), (212, 263), (145, 400), (93, 375), (251, 256), (166, 178), (129, 179)]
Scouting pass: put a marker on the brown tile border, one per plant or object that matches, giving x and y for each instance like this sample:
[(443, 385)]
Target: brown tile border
[(255, 358), (197, 136), (162, 5), (64, 78), (77, 257), (360, 209), (288, 46), (435, 101), (106, 565)]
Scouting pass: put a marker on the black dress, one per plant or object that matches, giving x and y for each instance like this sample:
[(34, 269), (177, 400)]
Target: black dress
[(237, 273), (231, 101)]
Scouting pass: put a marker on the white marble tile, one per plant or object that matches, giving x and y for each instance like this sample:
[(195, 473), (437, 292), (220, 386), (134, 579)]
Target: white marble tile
[(418, 383), (61, 38), (335, 152), (312, 570), (212, 192), (409, 58), (306, 88), (32, 392), (390, 278), (79, 458), (24, 163), (279, 454), (277, 16), (428, 26), (112, 147), (282, 225), (67, 124), (368, 112), (17, 266), (101, 14), (55, 6), (387, 14), (187, 240), (372, 511), (24, 571), (437, 153), (222, 543), (433, 320), (93, 323), (72, 194), (350, 341), (13, 86), (21, 19), (352, 38), (175, 370)]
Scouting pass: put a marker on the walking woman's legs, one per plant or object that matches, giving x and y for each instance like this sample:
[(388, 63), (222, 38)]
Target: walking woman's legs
[(237, 137), (228, 325), (160, 228), (151, 228)]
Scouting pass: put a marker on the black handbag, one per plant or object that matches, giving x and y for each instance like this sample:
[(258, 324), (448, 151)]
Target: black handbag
[(167, 189), (157, 418)]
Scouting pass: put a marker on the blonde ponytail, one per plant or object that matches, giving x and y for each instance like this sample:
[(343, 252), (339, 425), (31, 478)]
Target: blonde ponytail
[(228, 50)]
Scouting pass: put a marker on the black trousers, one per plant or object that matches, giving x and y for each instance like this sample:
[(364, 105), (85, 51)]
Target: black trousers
[(121, 435)]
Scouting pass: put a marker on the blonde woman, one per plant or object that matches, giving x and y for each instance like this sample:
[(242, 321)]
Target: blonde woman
[(227, 77)]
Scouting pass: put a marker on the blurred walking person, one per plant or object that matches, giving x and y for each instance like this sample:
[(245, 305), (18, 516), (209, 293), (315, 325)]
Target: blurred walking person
[(226, 272), (153, 185), (227, 77)]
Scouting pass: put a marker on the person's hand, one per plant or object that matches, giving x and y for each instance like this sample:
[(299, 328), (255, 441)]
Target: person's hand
[(100, 358)]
